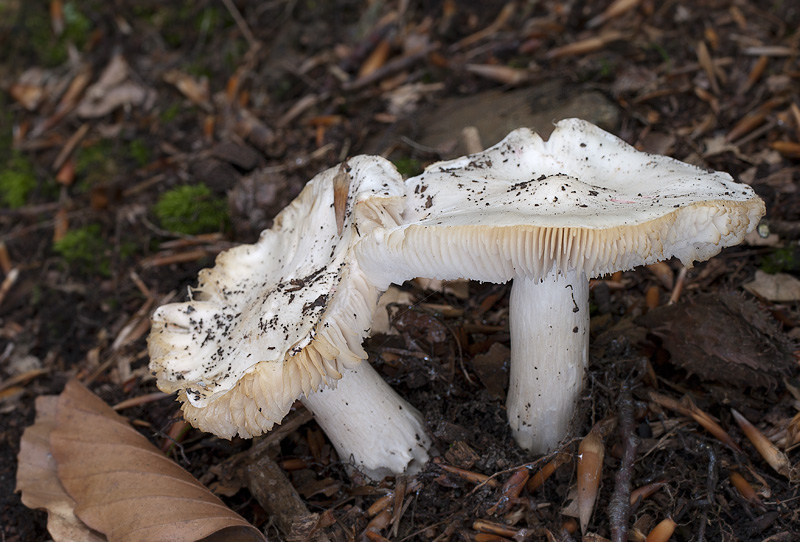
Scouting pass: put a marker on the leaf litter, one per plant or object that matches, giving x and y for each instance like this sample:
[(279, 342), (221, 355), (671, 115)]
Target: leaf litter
[(252, 100)]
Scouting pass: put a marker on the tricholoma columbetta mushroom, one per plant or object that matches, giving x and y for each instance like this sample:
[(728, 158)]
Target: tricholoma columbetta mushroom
[(550, 215), (284, 318), (281, 319)]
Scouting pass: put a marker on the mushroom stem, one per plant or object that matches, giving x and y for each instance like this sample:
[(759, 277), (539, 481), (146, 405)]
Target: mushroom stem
[(549, 324), (370, 425)]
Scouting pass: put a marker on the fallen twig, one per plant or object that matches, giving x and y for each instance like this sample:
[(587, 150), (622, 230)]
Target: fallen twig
[(620, 506), (278, 497)]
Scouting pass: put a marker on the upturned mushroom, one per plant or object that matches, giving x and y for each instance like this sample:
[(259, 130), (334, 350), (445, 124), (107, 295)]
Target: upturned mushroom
[(284, 318), (550, 215)]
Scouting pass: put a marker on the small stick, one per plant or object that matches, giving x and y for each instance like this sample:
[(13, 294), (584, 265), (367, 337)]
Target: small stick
[(390, 68), (278, 497), (5, 260), (755, 73), (399, 495), (538, 479), (511, 490), (489, 527), (711, 484), (68, 148), (505, 14), (679, 284), (141, 400), (470, 476), (8, 282), (619, 508), (698, 415)]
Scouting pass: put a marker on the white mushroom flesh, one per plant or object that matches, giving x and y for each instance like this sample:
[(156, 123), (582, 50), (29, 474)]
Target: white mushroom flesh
[(281, 318), (549, 327), (371, 427)]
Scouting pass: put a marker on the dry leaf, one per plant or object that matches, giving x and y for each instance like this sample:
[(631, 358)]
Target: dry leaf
[(380, 321), (780, 287), (341, 189), (113, 89), (37, 478), (696, 332), (32, 87), (124, 487)]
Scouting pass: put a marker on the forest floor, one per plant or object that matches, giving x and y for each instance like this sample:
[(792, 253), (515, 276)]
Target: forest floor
[(138, 140)]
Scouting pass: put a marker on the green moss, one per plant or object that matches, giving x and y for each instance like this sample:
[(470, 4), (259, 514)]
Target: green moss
[(127, 249), (781, 260), (198, 68), (17, 181), (52, 49), (408, 167), (191, 209), (76, 25), (170, 113), (606, 69), (207, 20), (84, 250), (139, 152)]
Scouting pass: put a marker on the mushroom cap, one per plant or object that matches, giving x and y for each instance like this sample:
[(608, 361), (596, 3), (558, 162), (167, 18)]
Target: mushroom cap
[(280, 318), (584, 200)]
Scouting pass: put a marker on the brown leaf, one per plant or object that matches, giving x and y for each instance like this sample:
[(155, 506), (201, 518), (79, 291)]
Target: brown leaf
[(780, 287), (37, 478), (126, 488), (113, 89), (29, 96), (697, 332)]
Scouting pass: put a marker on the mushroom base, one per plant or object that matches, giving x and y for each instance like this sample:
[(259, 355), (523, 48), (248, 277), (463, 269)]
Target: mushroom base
[(549, 325), (370, 425)]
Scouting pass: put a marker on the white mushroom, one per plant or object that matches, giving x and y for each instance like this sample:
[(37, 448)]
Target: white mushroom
[(550, 215), (283, 318)]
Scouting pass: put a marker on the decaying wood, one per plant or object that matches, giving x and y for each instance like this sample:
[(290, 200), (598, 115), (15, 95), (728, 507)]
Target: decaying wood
[(276, 495)]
